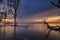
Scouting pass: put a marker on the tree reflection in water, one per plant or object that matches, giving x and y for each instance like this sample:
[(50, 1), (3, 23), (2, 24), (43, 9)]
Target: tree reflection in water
[(3, 33), (23, 33), (49, 32)]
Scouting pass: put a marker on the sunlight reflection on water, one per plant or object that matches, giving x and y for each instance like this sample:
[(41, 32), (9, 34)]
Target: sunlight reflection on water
[(32, 32)]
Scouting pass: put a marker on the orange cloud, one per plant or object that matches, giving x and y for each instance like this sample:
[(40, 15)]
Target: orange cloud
[(54, 19)]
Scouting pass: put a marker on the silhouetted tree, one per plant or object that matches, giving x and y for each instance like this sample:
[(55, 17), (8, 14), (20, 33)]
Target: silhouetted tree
[(1, 1), (57, 5), (14, 4)]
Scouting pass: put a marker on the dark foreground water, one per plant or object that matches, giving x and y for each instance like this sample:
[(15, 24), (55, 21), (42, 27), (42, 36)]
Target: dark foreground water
[(32, 32)]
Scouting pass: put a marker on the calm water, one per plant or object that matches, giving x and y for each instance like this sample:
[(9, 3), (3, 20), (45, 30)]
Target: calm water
[(32, 32)]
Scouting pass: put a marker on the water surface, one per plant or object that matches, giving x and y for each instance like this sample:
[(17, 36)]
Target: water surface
[(31, 32)]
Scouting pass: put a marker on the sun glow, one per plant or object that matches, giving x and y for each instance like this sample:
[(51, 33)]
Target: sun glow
[(54, 19), (39, 20), (8, 20), (51, 19)]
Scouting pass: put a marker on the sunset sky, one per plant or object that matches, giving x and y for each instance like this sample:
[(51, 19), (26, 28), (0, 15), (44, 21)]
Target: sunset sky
[(28, 8), (36, 10)]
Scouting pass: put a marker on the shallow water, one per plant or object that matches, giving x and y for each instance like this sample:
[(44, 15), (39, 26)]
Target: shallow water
[(32, 32)]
